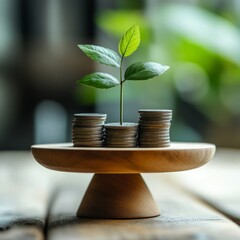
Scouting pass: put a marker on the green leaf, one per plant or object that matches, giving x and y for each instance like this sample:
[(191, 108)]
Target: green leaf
[(144, 71), (130, 41), (99, 80), (102, 55)]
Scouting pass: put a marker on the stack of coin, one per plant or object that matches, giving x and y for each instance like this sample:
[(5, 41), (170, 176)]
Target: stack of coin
[(87, 129), (154, 127), (121, 136)]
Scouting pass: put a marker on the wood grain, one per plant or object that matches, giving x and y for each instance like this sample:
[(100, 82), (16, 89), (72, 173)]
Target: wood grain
[(182, 217), (177, 157), (23, 199), (118, 196), (217, 184)]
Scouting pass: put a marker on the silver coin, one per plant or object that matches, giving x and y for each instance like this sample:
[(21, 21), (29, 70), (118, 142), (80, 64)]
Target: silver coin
[(88, 120), (86, 129), (125, 126), (153, 135), (120, 146), (90, 115), (155, 142), (153, 121), (154, 146), (87, 145), (155, 111), (79, 139), (120, 135), (121, 143), (155, 138)]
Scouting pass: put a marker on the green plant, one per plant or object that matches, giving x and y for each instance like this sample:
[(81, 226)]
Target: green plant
[(137, 71)]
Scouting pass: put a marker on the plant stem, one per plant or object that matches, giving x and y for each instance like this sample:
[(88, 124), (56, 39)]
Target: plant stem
[(121, 93), (121, 103)]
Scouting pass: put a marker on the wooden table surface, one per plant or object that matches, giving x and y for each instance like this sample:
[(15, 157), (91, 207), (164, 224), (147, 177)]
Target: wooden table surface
[(37, 203)]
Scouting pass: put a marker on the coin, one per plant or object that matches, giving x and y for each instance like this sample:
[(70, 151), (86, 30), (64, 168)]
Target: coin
[(154, 141), (127, 135), (86, 139), (154, 137), (87, 125), (154, 146), (154, 127), (90, 115), (121, 145), (87, 129), (149, 142), (117, 135), (163, 111), (148, 133), (160, 123), (125, 126), (87, 145), (155, 112), (89, 121), (92, 143)]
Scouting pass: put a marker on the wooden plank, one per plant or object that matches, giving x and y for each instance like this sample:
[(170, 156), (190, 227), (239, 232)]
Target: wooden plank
[(23, 197), (25, 192), (182, 217), (217, 183), (22, 233)]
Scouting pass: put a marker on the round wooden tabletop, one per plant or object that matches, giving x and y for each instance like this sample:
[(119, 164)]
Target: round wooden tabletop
[(177, 157)]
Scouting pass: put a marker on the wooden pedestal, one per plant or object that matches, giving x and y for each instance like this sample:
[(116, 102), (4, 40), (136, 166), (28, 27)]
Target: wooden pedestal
[(117, 189), (118, 196)]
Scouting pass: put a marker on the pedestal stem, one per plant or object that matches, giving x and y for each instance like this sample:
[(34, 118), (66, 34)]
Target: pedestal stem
[(118, 196)]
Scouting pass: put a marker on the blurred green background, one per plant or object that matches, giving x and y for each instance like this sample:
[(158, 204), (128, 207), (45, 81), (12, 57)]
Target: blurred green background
[(40, 63)]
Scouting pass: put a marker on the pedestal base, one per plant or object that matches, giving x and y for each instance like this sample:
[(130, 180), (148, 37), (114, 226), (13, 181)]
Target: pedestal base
[(118, 196), (117, 190)]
